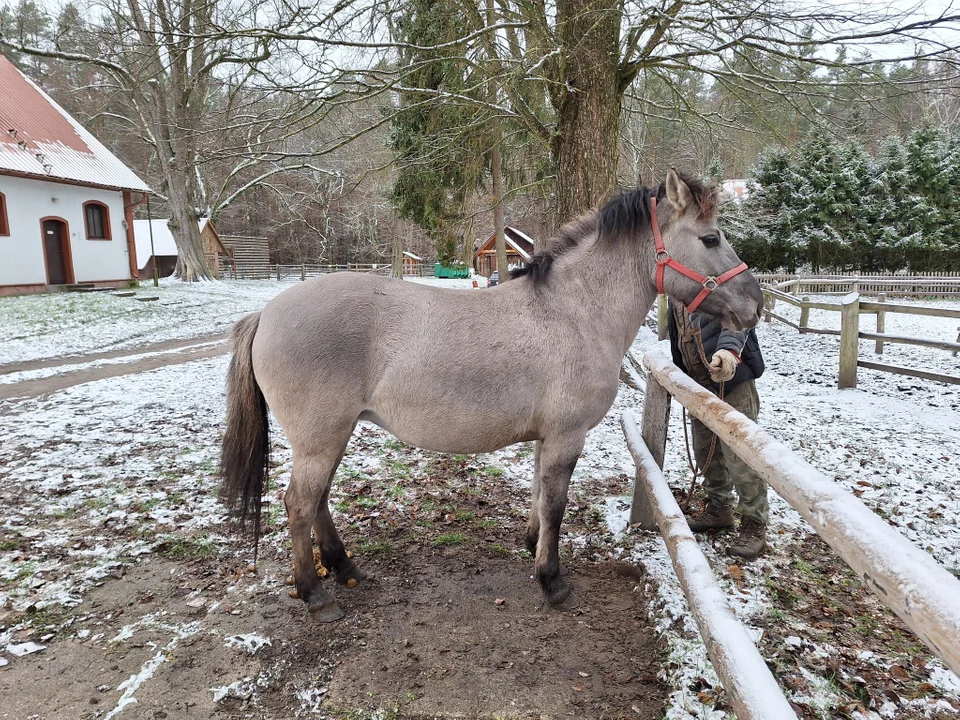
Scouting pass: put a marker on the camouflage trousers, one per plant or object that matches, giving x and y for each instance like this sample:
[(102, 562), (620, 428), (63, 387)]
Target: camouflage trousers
[(726, 471)]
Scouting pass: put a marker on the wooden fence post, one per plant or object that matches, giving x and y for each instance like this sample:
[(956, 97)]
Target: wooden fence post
[(958, 340), (303, 272), (804, 314), (881, 322), (656, 417), (849, 340), (769, 303), (661, 317), (278, 271)]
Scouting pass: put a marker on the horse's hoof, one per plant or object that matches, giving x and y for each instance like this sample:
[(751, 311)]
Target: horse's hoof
[(328, 613), (559, 592), (351, 576), (570, 603)]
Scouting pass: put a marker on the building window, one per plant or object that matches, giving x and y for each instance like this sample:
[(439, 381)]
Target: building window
[(96, 216), (4, 222)]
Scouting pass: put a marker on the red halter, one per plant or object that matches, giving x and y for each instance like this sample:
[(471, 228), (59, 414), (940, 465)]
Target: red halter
[(664, 260)]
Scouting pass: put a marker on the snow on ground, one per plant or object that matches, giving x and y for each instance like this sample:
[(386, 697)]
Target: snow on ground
[(63, 324), (138, 471)]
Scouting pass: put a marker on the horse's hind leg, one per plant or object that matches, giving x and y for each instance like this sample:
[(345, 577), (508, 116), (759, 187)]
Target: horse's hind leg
[(558, 458), (332, 552), (309, 484)]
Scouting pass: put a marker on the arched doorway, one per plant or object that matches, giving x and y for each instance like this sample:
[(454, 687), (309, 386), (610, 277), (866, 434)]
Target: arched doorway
[(56, 251)]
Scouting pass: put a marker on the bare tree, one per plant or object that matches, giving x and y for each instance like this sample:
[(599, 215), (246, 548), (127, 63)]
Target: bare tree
[(183, 76)]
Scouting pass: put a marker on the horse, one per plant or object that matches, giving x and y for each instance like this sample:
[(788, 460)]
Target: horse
[(341, 348)]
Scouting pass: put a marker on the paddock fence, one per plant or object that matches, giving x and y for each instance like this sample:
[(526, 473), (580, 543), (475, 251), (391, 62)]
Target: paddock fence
[(928, 285), (273, 271), (851, 307), (924, 594)]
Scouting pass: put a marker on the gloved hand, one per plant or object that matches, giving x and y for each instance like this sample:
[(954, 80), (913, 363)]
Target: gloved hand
[(723, 366)]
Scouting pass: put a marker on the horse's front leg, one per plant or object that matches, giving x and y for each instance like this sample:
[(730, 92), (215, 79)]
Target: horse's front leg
[(558, 458), (309, 483), (533, 519)]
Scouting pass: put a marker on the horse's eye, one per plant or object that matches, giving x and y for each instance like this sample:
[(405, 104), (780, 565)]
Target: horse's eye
[(711, 240)]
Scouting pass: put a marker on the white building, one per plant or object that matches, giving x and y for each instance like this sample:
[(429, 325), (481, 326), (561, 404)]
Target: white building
[(66, 202)]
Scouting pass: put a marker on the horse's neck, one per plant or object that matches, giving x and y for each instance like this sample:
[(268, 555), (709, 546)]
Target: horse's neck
[(618, 284)]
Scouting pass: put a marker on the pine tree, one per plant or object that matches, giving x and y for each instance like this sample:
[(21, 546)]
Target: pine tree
[(435, 136)]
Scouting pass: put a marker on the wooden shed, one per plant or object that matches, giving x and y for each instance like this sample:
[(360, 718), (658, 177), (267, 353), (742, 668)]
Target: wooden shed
[(519, 250), (248, 256), (164, 249), (412, 264)]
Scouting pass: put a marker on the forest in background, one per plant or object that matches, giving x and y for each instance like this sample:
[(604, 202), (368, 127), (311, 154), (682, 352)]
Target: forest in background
[(855, 160)]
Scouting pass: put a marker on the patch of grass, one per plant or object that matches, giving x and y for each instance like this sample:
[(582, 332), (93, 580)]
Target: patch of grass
[(399, 468), (367, 502), (450, 538), (487, 523), (373, 548), (493, 471), (500, 548), (10, 544), (188, 548), (464, 515)]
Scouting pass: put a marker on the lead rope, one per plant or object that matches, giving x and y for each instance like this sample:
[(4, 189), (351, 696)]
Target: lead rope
[(691, 461)]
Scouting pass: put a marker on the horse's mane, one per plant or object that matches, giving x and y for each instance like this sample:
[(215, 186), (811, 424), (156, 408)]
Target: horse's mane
[(621, 219)]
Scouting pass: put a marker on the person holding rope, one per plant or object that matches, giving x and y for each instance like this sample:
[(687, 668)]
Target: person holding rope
[(725, 362)]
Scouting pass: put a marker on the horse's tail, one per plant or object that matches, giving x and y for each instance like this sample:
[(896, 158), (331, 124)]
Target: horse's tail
[(245, 453)]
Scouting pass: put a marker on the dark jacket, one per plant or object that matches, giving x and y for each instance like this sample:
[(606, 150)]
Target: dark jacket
[(716, 337)]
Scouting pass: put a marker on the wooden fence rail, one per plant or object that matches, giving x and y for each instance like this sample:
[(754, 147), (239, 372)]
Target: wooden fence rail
[(851, 307), (750, 685), (303, 271), (905, 578), (925, 285)]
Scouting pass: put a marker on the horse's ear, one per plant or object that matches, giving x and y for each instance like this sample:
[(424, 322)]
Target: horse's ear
[(678, 193)]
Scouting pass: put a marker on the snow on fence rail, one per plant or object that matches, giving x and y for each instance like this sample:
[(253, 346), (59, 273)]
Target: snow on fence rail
[(851, 307), (905, 578), (750, 685)]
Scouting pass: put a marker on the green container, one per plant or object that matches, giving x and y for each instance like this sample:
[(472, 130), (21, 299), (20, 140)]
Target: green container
[(444, 271)]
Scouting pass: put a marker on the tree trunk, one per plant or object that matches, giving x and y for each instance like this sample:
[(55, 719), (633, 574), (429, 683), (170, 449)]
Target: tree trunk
[(191, 263), (467, 249), (588, 105), (497, 177), (396, 269)]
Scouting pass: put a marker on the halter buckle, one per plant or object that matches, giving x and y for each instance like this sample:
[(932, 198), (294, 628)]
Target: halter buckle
[(662, 257), (710, 283)]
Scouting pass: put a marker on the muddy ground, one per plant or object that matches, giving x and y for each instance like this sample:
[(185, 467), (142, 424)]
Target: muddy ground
[(452, 625)]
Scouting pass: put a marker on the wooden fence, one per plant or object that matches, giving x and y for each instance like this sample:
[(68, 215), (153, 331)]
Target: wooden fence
[(905, 578), (851, 307), (269, 271), (932, 285)]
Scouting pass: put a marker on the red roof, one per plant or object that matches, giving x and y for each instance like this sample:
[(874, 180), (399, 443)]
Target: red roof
[(38, 138)]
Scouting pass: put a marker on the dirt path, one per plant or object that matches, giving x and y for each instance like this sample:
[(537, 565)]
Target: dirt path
[(186, 351), (111, 354)]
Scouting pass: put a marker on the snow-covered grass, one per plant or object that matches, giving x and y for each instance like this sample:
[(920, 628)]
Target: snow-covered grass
[(63, 324), (102, 472)]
